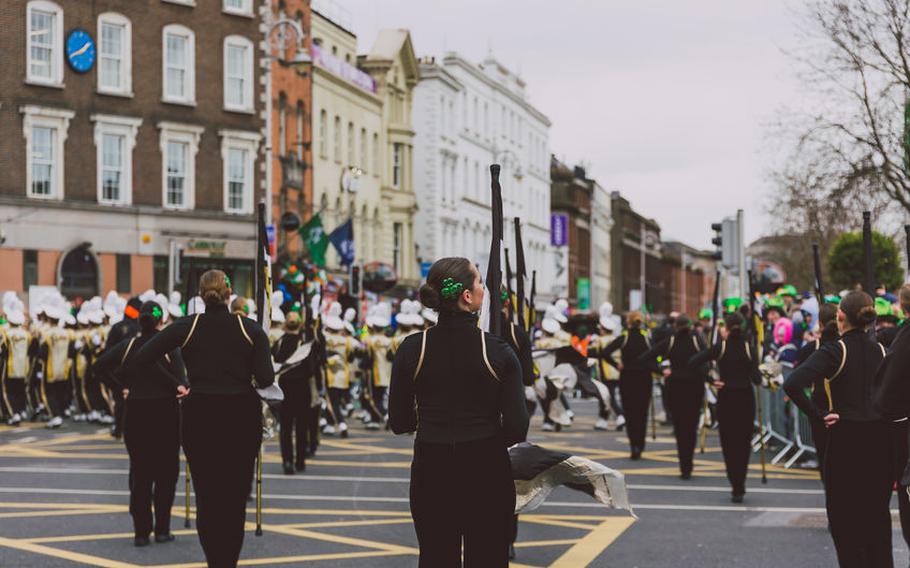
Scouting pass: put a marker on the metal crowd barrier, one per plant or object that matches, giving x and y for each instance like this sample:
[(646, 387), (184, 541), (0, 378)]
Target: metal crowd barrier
[(786, 428)]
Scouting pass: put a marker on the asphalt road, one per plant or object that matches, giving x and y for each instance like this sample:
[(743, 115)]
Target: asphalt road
[(63, 503)]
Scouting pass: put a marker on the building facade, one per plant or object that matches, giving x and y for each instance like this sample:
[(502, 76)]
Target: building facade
[(287, 26), (601, 249), (637, 261), (466, 117), (131, 128), (571, 199), (363, 142)]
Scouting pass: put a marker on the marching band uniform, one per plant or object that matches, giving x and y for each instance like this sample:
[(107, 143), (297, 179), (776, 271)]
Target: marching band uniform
[(738, 370), (222, 417), (299, 386), (340, 353), (858, 464), (151, 426), (685, 389), (549, 341), (54, 353), (18, 349), (634, 382), (379, 359)]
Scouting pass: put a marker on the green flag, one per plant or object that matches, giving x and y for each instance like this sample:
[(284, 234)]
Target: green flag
[(315, 239)]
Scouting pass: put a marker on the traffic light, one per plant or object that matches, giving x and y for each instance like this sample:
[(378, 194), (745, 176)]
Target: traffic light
[(355, 280), (718, 240)]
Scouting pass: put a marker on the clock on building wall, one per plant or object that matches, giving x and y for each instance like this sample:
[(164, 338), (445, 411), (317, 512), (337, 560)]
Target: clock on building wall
[(80, 50)]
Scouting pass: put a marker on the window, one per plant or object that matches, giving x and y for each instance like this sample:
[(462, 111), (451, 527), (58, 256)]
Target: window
[(44, 65), (239, 7), (352, 159), (396, 251), (238, 152), (282, 124), (238, 74), (115, 53), (115, 138), (376, 162), (179, 73), (45, 130), (29, 269), (363, 151), (323, 134), (179, 144), (299, 144), (124, 273), (336, 133), (396, 165)]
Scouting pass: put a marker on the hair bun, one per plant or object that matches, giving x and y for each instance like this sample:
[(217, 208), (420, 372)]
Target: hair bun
[(430, 297), (866, 315)]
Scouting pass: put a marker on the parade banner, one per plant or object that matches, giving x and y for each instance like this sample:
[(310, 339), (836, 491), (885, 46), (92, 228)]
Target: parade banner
[(342, 238), (315, 239)]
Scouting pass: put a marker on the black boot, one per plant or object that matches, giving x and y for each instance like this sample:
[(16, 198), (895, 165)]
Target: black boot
[(288, 468)]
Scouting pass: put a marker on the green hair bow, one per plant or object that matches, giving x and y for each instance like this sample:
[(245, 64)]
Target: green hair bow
[(451, 288)]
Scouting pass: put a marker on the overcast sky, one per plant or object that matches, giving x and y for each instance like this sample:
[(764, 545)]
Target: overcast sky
[(666, 101)]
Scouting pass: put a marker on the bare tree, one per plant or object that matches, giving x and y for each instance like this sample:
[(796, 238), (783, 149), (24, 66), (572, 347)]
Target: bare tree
[(857, 58)]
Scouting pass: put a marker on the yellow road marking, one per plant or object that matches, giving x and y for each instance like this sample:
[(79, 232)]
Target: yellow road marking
[(289, 559), (590, 546), (64, 554), (339, 539)]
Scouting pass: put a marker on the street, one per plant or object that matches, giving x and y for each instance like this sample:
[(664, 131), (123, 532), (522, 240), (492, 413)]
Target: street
[(64, 503)]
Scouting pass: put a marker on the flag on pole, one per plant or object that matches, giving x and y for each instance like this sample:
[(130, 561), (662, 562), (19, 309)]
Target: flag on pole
[(315, 239), (494, 266), (342, 238)]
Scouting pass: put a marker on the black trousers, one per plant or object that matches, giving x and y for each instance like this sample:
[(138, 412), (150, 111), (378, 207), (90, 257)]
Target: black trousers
[(463, 495), (96, 398), (152, 436), (899, 441), (221, 439), (83, 404), (820, 438), (858, 480), (684, 399), (735, 414), (55, 393), (14, 395), (635, 389), (295, 411), (336, 401), (614, 403), (374, 399)]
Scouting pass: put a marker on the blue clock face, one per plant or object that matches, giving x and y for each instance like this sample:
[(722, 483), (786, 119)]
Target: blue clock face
[(80, 51)]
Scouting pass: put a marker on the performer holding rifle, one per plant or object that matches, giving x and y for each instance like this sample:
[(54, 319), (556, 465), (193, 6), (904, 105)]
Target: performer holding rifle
[(858, 464), (151, 424), (738, 368), (222, 418), (468, 386)]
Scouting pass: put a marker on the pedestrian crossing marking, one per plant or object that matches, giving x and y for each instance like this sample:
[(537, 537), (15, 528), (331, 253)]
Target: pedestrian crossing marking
[(594, 543)]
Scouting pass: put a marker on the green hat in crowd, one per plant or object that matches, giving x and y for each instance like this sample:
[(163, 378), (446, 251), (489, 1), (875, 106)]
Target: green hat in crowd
[(832, 299), (883, 307), (732, 304), (706, 314), (788, 290)]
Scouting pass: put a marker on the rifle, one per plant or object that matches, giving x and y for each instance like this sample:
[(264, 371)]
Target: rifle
[(532, 311), (509, 287), (819, 289), (494, 269), (715, 308), (758, 341), (520, 274)]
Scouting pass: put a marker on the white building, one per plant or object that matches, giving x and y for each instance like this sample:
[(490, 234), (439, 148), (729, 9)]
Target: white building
[(466, 117), (601, 226)]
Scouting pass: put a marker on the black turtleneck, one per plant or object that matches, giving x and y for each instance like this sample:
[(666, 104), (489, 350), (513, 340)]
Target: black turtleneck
[(146, 382), (853, 387), (222, 352), (454, 396)]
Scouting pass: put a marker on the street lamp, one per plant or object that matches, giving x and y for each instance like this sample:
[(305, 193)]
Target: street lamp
[(277, 41)]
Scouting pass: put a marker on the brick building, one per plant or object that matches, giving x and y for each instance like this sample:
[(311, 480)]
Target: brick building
[(292, 125), (130, 129), (571, 196)]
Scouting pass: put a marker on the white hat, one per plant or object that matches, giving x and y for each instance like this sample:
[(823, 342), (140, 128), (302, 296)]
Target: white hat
[(116, 318), (553, 313), (550, 325), (277, 315), (606, 312), (277, 298), (175, 310), (82, 317), (147, 296), (15, 317), (195, 305), (350, 314), (251, 307), (175, 297), (562, 305), (70, 319), (429, 315), (96, 317), (379, 315), (163, 302), (53, 312), (333, 319)]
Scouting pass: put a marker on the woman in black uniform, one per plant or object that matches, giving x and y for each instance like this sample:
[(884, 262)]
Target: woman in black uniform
[(827, 319), (738, 370), (298, 384), (222, 418), (151, 425), (467, 385), (634, 379), (858, 464), (685, 387)]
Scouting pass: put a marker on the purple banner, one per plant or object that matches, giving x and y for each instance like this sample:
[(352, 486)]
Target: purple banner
[(342, 69), (559, 230)]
